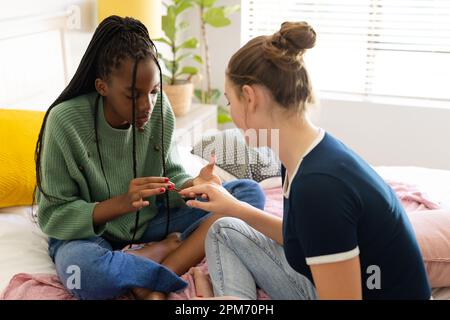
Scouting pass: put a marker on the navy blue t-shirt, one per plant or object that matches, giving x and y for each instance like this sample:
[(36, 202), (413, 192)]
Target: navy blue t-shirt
[(338, 207)]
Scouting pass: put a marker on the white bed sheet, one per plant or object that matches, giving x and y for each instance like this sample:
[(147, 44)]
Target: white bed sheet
[(23, 246)]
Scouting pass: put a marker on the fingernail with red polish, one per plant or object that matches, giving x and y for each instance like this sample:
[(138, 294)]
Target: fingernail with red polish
[(162, 190), (166, 180), (170, 187)]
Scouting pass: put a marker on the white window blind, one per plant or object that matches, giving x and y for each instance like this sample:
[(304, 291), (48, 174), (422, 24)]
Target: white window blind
[(372, 48)]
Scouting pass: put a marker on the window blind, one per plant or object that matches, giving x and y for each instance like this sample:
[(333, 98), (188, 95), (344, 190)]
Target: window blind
[(384, 48)]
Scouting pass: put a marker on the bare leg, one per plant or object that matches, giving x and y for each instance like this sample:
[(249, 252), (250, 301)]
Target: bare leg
[(156, 251), (203, 285), (192, 250), (188, 254)]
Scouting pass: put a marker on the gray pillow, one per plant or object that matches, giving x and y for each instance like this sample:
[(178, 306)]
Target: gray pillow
[(235, 157)]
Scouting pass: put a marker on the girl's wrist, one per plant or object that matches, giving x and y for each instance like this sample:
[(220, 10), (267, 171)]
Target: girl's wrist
[(123, 204), (237, 208), (110, 209), (246, 211)]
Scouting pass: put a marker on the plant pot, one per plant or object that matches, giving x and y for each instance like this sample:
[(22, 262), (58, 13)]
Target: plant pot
[(180, 97)]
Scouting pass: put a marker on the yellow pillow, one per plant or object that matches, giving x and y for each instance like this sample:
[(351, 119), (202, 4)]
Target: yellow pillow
[(19, 130)]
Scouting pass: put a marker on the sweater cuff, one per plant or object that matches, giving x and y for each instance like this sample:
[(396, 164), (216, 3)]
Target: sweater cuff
[(100, 229), (94, 230)]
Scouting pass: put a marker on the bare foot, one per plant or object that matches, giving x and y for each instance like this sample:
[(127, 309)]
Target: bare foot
[(146, 294), (158, 251), (203, 285), (157, 296)]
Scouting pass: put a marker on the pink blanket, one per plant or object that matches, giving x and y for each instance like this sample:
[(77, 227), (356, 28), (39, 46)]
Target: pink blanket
[(48, 287), (412, 198)]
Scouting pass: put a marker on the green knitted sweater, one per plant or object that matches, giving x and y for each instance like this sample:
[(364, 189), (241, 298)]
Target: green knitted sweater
[(71, 169)]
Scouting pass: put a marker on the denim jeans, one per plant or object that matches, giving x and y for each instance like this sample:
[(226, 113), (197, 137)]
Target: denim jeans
[(240, 259), (105, 272)]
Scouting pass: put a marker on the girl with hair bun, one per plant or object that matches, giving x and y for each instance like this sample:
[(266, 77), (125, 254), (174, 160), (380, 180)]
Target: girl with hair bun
[(344, 233)]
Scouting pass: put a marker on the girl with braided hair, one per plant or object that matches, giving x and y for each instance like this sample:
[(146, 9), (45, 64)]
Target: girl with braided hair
[(107, 169)]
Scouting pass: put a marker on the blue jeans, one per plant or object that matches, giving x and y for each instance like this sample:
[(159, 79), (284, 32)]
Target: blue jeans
[(96, 268), (240, 258)]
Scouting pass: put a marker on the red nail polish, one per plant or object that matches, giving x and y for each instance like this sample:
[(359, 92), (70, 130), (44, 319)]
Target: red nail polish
[(170, 187), (199, 296), (166, 180), (162, 190)]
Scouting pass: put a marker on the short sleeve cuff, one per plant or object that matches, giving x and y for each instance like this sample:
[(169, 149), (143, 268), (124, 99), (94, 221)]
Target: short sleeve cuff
[(331, 258)]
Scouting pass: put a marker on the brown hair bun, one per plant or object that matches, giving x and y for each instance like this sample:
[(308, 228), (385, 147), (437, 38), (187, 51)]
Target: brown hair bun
[(285, 48), (276, 62)]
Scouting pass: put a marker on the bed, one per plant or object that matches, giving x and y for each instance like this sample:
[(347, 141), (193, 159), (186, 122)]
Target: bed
[(26, 270), (26, 267)]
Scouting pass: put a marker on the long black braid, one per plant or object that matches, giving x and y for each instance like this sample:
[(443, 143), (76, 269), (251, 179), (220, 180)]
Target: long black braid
[(114, 39)]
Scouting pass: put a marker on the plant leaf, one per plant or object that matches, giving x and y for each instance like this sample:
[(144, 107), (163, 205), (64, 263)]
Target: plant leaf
[(208, 3), (191, 43), (184, 56), (198, 59), (190, 55), (216, 17), (168, 23), (171, 67), (215, 95), (164, 40), (167, 79), (231, 9), (182, 5), (168, 63), (205, 3), (223, 116), (188, 70), (198, 94)]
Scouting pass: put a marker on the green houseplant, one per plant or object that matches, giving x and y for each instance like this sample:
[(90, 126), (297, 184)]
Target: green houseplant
[(217, 17), (178, 81)]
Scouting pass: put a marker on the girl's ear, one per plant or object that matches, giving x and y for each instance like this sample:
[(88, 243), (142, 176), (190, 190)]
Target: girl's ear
[(101, 87), (249, 97)]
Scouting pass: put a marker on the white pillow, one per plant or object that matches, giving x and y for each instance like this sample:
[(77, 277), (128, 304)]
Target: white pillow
[(23, 246), (236, 157), (193, 164)]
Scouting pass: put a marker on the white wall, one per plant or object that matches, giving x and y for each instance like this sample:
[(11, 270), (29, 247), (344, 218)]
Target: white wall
[(76, 40), (387, 134), (33, 47)]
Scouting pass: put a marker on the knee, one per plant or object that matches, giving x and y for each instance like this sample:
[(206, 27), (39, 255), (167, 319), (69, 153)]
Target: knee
[(81, 271), (248, 191), (225, 229), (80, 253), (244, 184)]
